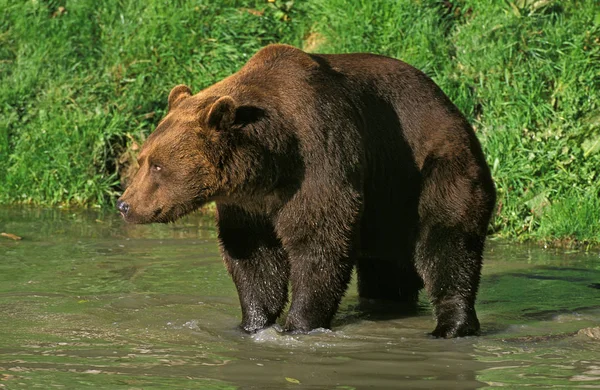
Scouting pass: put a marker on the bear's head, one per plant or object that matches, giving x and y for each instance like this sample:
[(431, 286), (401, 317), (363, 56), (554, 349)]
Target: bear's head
[(184, 163)]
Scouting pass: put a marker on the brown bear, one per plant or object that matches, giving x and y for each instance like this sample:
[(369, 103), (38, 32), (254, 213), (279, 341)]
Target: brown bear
[(320, 163)]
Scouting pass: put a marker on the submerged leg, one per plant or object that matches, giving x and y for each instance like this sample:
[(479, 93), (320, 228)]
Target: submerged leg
[(385, 266), (454, 212), (388, 279), (318, 285), (449, 261), (257, 263), (320, 247)]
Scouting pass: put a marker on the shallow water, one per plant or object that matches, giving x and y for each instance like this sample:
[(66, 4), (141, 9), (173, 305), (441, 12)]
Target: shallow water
[(87, 301)]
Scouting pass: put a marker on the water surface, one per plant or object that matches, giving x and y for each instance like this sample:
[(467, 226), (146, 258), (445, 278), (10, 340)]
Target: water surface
[(87, 301)]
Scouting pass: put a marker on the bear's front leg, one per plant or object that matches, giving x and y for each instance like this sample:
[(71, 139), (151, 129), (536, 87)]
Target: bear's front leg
[(319, 282), (257, 263), (320, 245)]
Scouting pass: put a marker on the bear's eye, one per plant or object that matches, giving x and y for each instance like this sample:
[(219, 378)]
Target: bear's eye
[(156, 167)]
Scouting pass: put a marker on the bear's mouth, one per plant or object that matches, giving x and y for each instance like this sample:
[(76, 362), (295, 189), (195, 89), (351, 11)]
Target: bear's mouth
[(160, 214), (136, 218)]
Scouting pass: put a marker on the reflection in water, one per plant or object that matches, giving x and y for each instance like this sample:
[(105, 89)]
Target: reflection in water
[(87, 301)]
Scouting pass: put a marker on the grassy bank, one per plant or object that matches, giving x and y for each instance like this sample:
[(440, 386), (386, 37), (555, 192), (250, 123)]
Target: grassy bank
[(79, 82)]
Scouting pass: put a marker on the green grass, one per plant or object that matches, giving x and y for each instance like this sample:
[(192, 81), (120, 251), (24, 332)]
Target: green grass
[(77, 87)]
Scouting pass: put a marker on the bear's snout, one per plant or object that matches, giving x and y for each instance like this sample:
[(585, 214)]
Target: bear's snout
[(123, 207)]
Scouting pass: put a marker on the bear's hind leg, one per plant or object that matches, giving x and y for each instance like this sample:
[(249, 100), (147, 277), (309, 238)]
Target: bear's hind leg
[(257, 263), (457, 199), (385, 266), (449, 261), (387, 280)]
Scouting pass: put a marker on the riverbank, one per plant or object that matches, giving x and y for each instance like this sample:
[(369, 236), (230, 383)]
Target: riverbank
[(82, 85)]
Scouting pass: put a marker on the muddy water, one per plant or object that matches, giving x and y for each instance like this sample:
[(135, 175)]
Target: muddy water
[(89, 302)]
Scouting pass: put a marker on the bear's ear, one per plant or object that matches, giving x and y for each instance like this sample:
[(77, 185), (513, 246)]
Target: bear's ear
[(177, 95), (222, 114)]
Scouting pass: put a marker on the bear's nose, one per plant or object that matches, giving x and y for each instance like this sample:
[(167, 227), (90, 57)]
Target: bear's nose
[(123, 207)]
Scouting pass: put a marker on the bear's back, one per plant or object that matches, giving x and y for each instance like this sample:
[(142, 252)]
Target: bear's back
[(393, 99)]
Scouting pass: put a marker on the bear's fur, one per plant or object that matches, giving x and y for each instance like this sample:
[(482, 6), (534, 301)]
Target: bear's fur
[(320, 163)]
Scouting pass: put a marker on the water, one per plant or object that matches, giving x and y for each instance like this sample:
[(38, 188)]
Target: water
[(89, 302)]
